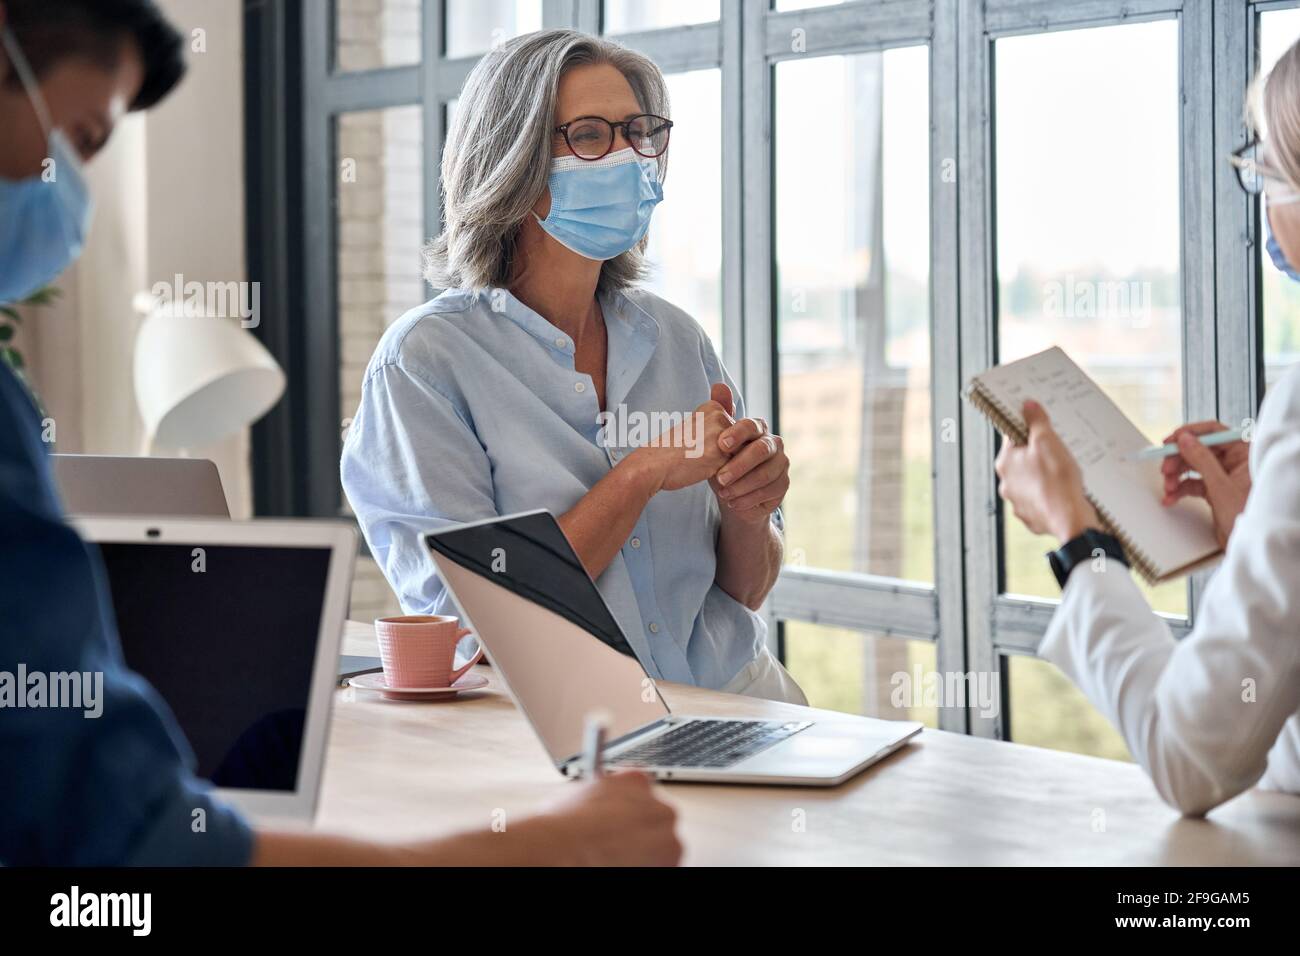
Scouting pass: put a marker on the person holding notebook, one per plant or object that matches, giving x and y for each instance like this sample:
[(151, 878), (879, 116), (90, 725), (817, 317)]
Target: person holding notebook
[(1216, 713), (120, 789)]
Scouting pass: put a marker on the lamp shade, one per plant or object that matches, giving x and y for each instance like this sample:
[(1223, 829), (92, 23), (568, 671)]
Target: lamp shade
[(200, 379)]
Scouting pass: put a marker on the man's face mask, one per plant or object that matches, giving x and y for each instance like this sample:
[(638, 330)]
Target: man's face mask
[(44, 218)]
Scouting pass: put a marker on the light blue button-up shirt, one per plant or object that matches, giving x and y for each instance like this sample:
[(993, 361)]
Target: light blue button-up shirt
[(472, 407)]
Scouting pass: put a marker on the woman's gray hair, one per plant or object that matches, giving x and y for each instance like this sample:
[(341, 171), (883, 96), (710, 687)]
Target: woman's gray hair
[(497, 156)]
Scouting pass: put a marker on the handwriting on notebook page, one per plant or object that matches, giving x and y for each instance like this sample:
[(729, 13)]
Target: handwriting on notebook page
[(1102, 438), (1088, 422)]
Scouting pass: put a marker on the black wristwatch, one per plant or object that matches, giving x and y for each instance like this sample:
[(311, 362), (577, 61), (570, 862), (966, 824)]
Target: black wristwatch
[(1084, 548)]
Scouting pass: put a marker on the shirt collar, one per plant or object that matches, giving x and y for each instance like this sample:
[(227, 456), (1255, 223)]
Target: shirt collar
[(504, 301), (633, 332)]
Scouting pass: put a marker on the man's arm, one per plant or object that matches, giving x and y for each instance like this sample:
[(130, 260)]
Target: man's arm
[(612, 821), (102, 785)]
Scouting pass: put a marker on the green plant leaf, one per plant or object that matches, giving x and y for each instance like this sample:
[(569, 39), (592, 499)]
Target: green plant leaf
[(6, 333), (13, 357), (43, 296), (10, 313)]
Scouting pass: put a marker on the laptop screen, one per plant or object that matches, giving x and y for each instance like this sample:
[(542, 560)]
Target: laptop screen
[(546, 627), (227, 635)]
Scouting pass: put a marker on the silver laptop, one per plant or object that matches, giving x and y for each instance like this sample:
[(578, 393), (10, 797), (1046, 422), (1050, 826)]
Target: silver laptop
[(119, 485), (518, 585), (237, 625)]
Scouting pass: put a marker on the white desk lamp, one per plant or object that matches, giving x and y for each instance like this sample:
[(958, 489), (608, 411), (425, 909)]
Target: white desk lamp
[(199, 379)]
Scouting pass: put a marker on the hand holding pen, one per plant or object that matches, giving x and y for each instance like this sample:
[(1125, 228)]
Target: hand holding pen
[(593, 745), (1222, 464)]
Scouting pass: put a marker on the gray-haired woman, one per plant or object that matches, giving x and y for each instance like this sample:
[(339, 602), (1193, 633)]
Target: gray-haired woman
[(536, 379)]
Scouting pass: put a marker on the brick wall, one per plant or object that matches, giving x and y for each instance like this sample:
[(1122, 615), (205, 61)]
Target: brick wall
[(380, 168)]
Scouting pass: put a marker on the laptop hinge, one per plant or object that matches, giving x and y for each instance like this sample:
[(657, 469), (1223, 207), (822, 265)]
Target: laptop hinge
[(576, 759)]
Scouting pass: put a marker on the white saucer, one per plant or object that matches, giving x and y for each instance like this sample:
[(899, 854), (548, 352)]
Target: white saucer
[(376, 681)]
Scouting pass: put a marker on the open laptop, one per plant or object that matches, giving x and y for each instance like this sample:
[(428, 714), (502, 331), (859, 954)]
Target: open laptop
[(238, 626), (121, 485), (519, 586)]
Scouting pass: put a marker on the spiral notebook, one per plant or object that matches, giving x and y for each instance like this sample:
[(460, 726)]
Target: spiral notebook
[(1161, 543)]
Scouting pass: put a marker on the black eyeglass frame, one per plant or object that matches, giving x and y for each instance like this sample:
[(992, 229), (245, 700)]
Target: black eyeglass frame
[(1251, 172), (664, 124)]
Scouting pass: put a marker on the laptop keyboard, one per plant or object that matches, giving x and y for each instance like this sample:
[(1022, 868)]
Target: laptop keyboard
[(708, 743)]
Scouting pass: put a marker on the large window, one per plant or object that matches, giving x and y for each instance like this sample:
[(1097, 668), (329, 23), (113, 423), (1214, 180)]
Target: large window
[(853, 310), (1088, 259), (475, 26), (866, 204), (1087, 251), (685, 248), (374, 34)]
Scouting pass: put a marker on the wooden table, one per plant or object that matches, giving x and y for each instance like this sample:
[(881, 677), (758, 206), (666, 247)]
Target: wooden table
[(410, 769)]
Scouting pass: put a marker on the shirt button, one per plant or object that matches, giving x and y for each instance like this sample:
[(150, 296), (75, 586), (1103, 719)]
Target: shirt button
[(635, 542), (654, 628), (561, 343), (579, 387)]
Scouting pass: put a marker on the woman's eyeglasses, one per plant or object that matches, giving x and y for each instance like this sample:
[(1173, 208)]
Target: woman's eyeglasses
[(1253, 170), (1257, 176), (592, 137)]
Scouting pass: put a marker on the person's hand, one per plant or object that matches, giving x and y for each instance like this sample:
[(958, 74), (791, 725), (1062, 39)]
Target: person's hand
[(615, 820), (1042, 482), (1224, 470), (754, 482), (689, 452)]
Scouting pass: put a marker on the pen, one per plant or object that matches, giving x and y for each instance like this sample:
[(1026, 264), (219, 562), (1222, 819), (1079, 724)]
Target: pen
[(1164, 451), (593, 746)]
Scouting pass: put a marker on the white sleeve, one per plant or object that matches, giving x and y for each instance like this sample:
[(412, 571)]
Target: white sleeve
[(1201, 715)]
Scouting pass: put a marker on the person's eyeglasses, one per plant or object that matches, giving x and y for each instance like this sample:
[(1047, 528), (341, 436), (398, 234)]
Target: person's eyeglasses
[(592, 137), (1253, 171)]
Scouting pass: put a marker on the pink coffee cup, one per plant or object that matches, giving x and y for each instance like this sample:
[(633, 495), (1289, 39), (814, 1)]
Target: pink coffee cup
[(419, 650)]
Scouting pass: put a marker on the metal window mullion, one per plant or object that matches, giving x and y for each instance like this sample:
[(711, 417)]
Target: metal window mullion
[(752, 352), (678, 49), (275, 439), (1265, 6), (1202, 354), (452, 74), (1011, 17), (881, 606), (733, 213), (432, 98), (557, 14), (588, 16), (945, 356), (1020, 623), (846, 28), (1237, 304), (320, 250), (759, 331), (977, 345), (372, 89)]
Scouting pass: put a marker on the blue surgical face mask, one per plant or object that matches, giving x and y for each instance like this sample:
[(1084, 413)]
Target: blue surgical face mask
[(1275, 252), (600, 209), (44, 218)]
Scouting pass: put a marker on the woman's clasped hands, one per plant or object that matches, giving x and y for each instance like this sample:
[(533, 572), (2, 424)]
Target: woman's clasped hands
[(743, 462)]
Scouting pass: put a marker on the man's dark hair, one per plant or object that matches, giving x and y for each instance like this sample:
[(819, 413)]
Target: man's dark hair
[(52, 30)]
